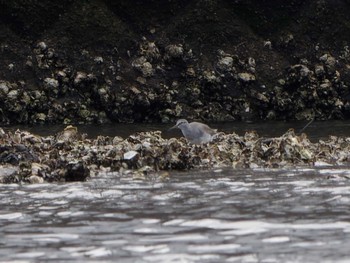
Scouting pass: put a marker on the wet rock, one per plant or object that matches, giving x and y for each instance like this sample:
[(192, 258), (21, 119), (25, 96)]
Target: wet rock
[(42, 46), (190, 72), (130, 155), (211, 77), (69, 134), (46, 159), (204, 44), (98, 60), (149, 50), (246, 77), (144, 66), (304, 71), (4, 89), (51, 83), (267, 44), (40, 118), (8, 174), (13, 95), (76, 172), (251, 62), (319, 70), (82, 78), (225, 63), (173, 51), (34, 179)]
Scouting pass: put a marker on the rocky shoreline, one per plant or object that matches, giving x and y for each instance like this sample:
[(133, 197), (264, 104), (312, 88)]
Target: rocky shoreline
[(71, 156)]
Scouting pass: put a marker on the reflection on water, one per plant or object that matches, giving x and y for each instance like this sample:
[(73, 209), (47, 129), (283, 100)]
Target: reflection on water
[(292, 215)]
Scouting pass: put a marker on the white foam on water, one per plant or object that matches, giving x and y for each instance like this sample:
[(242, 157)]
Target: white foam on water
[(213, 248), (60, 202), (133, 186), (98, 252), (300, 183), (281, 239), (183, 258), (29, 255), (73, 192), (301, 170), (76, 249), (146, 230), (44, 213), (157, 249), (150, 221), (70, 213), (209, 223), (174, 222), (82, 194), (335, 171), (51, 236), (188, 185), (48, 240), (307, 244), (238, 184), (9, 186), (230, 201), (177, 238), (239, 189), (47, 207), (166, 196), (289, 175), (337, 190), (249, 224), (112, 192), (251, 258), (337, 197), (47, 195), (322, 164), (244, 232), (10, 216), (214, 193), (113, 215), (340, 190)]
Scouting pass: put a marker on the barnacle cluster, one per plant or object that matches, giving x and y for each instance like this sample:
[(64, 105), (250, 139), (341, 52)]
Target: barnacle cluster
[(71, 156), (163, 81)]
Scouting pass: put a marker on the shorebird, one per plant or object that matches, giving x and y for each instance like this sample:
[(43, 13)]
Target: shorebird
[(195, 132)]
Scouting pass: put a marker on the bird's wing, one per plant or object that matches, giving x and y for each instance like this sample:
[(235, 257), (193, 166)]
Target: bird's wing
[(208, 129)]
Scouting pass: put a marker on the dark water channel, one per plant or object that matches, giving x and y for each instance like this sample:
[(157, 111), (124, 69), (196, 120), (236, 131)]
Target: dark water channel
[(219, 215), (316, 130)]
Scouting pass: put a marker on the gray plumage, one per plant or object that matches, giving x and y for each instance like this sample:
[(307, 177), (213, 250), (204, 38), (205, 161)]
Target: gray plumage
[(195, 132)]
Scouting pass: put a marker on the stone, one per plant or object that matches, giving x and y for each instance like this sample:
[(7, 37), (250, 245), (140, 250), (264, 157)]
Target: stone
[(246, 77)]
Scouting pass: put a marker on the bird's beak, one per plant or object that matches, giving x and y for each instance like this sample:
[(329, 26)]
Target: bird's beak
[(172, 127)]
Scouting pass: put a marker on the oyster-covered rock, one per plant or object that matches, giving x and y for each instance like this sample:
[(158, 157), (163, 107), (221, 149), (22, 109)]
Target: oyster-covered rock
[(70, 156), (225, 63), (246, 77), (4, 89), (174, 51), (130, 155), (144, 66), (69, 134), (51, 83)]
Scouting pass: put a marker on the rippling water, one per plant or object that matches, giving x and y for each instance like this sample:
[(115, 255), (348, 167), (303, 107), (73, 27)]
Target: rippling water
[(292, 215)]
